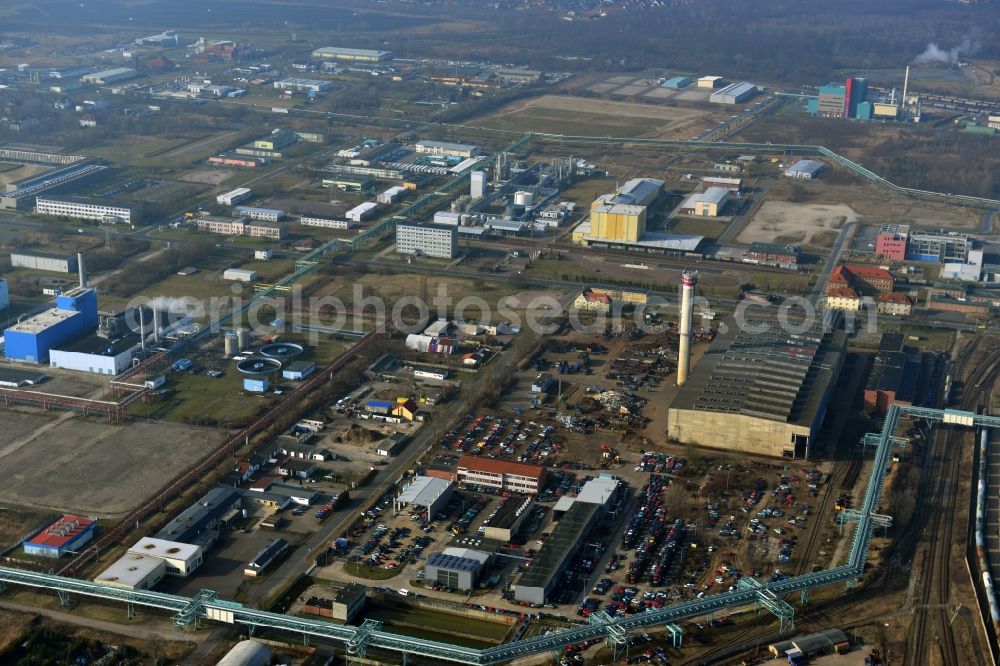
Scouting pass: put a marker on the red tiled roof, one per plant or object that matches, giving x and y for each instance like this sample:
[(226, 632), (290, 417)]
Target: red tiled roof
[(895, 297), (867, 271), (61, 532), (596, 298), (480, 464), (263, 483), (841, 292)]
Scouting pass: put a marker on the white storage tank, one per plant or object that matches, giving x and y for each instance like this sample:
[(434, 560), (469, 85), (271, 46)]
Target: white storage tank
[(232, 344), (243, 338), (523, 198)]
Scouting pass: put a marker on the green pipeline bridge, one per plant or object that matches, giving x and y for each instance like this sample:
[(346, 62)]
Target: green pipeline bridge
[(191, 611)]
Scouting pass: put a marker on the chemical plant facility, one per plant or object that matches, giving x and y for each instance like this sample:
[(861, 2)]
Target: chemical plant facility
[(763, 393), (74, 336)]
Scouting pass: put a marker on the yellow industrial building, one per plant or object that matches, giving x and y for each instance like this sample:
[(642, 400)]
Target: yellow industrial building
[(620, 222)]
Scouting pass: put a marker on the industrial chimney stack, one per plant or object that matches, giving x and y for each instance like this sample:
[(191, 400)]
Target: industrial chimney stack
[(906, 86), (81, 268), (688, 280)]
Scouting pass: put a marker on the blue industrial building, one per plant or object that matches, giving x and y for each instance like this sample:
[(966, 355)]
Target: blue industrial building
[(66, 535), (677, 83), (74, 316)]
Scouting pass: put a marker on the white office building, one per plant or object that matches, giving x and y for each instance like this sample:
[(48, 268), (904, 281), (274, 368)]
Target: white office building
[(325, 222), (431, 240), (239, 195), (181, 558), (79, 208)]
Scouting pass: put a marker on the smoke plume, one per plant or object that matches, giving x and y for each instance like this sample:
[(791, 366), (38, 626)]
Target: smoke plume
[(935, 54)]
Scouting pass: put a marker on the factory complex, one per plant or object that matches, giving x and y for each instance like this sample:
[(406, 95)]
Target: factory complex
[(764, 393)]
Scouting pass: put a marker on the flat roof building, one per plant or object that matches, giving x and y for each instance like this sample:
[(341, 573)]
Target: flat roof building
[(356, 55), (106, 76), (304, 85), (259, 214), (80, 208), (43, 261), (134, 572), (940, 245), (240, 227), (265, 558), (501, 474), (762, 387), (891, 241), (894, 376), (431, 240), (198, 523), (181, 558), (463, 150), (94, 353), (548, 565), (456, 568), (508, 518)]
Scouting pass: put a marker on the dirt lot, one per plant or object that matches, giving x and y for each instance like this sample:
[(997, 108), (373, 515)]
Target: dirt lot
[(67, 463), (804, 224), (208, 176), (567, 114)]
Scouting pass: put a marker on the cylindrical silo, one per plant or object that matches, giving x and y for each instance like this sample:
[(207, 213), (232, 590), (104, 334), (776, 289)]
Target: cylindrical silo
[(243, 338), (232, 344), (523, 198)]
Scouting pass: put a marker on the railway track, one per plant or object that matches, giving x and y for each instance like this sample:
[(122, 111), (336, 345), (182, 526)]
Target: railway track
[(932, 631)]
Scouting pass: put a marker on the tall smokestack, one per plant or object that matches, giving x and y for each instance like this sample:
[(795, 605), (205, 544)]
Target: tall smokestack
[(81, 267), (142, 331), (906, 85), (156, 324), (688, 280)]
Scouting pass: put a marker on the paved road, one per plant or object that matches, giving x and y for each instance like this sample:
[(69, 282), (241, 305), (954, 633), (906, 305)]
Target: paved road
[(986, 221), (838, 247)]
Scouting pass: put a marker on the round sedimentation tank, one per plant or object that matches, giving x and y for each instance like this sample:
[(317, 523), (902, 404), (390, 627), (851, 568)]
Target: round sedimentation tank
[(243, 338), (258, 365), (232, 344), (282, 351), (257, 373)]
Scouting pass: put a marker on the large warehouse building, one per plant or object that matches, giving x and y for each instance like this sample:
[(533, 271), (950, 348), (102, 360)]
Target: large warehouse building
[(32, 339), (734, 93), (762, 387), (352, 55)]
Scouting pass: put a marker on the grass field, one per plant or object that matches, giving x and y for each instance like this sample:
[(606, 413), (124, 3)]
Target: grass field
[(204, 400), (561, 270), (441, 623), (393, 287), (708, 228)]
